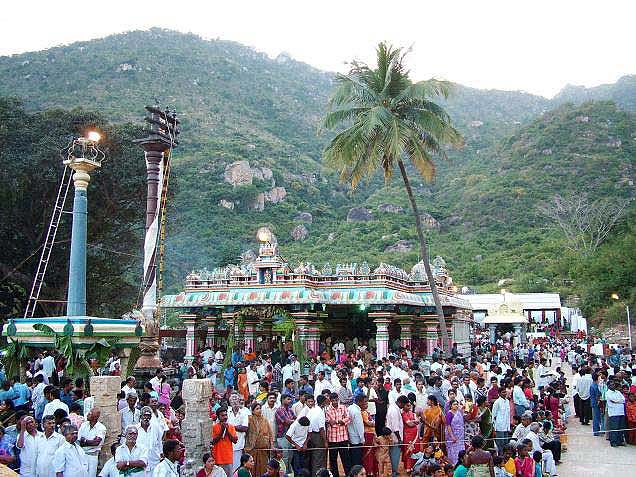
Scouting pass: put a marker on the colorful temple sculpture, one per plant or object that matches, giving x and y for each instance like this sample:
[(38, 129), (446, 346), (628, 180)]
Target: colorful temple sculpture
[(385, 306)]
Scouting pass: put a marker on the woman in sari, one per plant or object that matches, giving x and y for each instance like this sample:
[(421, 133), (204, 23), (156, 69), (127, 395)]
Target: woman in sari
[(484, 417), (471, 422), (258, 439), (454, 432), (630, 418), (164, 390), (410, 435), (433, 422), (368, 451), (241, 383), (478, 460)]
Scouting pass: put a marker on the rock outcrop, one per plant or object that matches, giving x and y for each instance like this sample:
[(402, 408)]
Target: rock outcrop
[(400, 246), (304, 217), (276, 195), (299, 232), (391, 208), (359, 214)]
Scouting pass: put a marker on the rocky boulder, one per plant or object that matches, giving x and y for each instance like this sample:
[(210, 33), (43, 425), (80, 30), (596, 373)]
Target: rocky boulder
[(299, 232), (276, 195), (359, 214), (304, 217), (227, 204), (391, 208), (400, 246), (429, 222), (238, 173), (259, 202)]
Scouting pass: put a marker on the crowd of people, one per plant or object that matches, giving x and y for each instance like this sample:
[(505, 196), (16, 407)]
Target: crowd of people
[(502, 411)]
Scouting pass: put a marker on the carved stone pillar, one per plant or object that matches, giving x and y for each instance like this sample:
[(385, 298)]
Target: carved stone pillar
[(210, 336), (308, 330), (431, 333), (406, 330), (190, 322), (105, 390), (381, 319), (197, 425), (249, 335)]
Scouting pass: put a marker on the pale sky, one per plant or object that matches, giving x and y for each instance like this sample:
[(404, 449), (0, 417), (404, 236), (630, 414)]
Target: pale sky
[(531, 45)]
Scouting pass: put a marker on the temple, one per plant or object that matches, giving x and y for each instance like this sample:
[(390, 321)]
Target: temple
[(385, 306)]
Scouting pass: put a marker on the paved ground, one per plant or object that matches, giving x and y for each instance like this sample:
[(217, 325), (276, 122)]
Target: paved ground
[(591, 456)]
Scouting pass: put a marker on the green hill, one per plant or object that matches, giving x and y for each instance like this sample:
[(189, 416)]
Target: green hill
[(239, 105)]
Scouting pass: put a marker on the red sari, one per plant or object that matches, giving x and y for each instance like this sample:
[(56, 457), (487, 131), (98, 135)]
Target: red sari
[(369, 462), (410, 437), (630, 418)]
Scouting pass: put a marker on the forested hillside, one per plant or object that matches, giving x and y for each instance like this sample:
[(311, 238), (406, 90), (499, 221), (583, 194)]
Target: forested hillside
[(251, 155)]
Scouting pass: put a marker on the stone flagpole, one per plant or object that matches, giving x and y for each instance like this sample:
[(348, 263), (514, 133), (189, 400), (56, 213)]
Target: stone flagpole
[(157, 146)]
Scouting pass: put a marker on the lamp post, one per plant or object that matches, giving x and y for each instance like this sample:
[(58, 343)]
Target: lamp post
[(83, 157), (629, 323)]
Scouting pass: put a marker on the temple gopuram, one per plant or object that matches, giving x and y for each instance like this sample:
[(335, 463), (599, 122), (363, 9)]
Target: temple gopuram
[(382, 306)]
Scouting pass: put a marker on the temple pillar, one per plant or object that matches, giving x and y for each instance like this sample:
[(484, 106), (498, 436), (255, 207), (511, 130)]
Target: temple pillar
[(105, 390), (431, 333), (196, 428), (406, 330), (190, 322), (308, 330), (381, 319), (268, 326), (210, 336), (249, 343), (492, 328), (557, 318)]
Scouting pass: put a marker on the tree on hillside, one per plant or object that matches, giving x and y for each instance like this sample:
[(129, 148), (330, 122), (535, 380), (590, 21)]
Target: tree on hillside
[(585, 223), (388, 120)]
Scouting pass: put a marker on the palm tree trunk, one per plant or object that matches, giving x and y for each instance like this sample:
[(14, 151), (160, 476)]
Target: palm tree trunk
[(424, 252)]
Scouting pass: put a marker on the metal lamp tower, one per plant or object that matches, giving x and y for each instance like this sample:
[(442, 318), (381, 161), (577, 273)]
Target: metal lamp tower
[(83, 157)]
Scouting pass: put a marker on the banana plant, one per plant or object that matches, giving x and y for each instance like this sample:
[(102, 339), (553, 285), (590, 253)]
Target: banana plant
[(14, 358), (76, 359)]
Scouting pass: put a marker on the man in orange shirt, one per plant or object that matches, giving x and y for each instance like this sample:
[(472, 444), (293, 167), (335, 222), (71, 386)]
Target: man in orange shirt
[(223, 436)]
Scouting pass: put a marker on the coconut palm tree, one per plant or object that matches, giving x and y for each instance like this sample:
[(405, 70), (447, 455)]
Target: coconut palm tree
[(389, 120)]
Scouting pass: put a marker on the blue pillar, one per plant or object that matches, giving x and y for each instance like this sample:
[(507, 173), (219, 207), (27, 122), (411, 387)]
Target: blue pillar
[(76, 299)]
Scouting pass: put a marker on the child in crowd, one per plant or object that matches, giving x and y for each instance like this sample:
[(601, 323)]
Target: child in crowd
[(509, 460), (523, 462), (382, 452), (497, 462), (537, 457)]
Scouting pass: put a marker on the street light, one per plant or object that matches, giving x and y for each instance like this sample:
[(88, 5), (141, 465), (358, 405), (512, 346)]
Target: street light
[(629, 323), (84, 156)]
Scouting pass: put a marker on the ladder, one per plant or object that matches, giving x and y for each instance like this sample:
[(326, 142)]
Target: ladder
[(38, 280)]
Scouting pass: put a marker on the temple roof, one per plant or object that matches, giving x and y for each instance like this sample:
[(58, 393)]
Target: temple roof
[(276, 295)]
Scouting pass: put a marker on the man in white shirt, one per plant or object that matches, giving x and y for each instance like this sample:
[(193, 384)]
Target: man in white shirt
[(436, 366), (583, 387), (321, 384), (575, 393), (70, 460), (355, 429), (253, 379), (171, 454), (317, 433), (131, 455), (396, 392), (155, 381), (548, 459), (130, 414), (129, 387), (54, 404), (27, 443), (616, 414), (269, 411), (238, 416), (501, 419), (91, 437), (395, 423), (46, 443), (48, 365), (150, 438), (298, 436)]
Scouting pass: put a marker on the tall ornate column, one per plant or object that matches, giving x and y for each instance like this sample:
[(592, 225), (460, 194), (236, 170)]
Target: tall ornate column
[(267, 325), (381, 319), (492, 328), (190, 322), (249, 343), (210, 336), (431, 333), (308, 330), (406, 330)]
